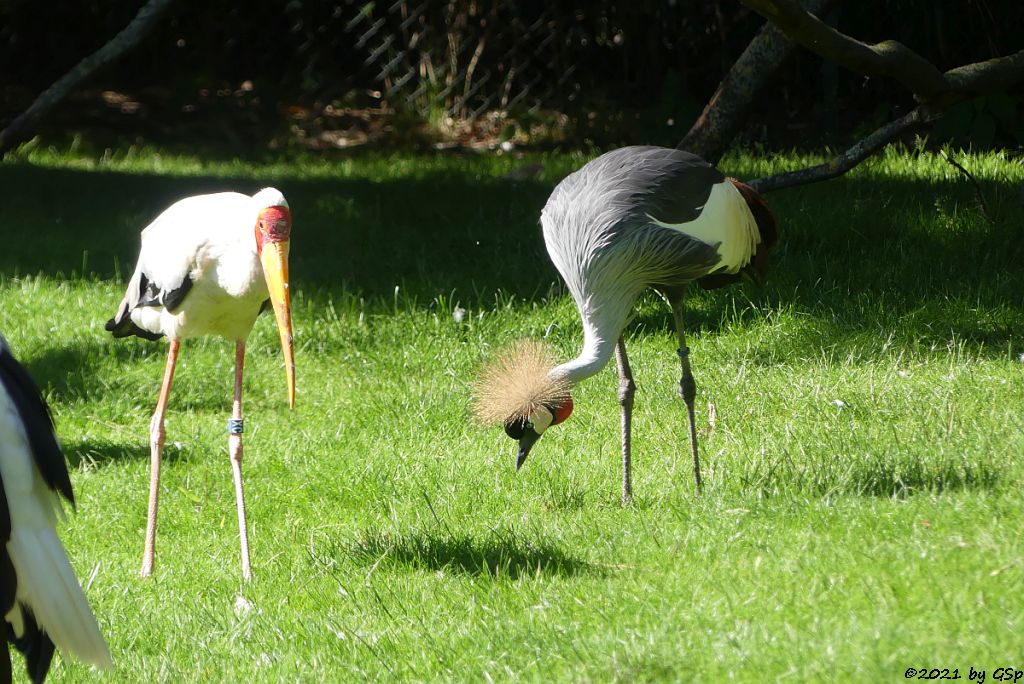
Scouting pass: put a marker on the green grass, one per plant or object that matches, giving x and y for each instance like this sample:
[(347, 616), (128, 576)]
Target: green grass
[(862, 512)]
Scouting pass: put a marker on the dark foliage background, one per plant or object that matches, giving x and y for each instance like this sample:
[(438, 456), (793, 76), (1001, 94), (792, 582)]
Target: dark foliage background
[(605, 72)]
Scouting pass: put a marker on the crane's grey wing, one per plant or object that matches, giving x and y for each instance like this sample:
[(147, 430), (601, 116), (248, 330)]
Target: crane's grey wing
[(601, 222), (667, 186)]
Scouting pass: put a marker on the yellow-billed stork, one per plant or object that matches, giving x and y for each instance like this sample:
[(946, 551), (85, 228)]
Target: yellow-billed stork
[(633, 218), (209, 264), (42, 602)]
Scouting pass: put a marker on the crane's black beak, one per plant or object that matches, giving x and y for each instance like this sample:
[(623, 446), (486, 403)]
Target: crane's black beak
[(526, 443)]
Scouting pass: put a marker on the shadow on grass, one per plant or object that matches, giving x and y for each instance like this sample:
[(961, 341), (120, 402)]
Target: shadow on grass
[(434, 235), (87, 367), (499, 554), (897, 249), (891, 475), (72, 370), (867, 264), (900, 479), (101, 452)]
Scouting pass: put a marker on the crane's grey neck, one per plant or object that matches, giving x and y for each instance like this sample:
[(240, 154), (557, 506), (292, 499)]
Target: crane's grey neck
[(598, 347)]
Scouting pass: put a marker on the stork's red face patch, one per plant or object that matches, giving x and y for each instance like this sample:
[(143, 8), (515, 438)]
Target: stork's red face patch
[(273, 225)]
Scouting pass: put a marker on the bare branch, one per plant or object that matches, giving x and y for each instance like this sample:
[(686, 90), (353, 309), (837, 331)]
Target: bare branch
[(991, 76), (847, 160), (21, 128), (723, 115), (888, 58), (935, 90), (891, 58)]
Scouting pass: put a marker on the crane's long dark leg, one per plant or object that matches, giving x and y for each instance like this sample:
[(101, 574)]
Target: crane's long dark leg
[(235, 450), (687, 386), (626, 390), (156, 448)]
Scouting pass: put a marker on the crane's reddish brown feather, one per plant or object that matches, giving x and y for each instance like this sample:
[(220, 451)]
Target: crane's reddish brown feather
[(766, 225), (515, 383)]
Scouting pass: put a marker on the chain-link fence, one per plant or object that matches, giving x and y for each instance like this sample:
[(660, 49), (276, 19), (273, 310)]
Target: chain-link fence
[(606, 71), (462, 59)]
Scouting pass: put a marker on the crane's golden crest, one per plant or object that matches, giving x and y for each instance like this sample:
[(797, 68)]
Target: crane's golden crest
[(515, 383)]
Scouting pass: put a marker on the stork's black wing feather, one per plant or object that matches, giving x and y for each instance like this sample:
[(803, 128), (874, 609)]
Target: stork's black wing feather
[(36, 645), (38, 424), (35, 417), (143, 292), (152, 295), (8, 580), (34, 642)]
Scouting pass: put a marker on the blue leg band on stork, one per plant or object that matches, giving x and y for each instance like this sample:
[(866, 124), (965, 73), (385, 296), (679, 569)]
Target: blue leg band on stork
[(235, 426), (683, 353)]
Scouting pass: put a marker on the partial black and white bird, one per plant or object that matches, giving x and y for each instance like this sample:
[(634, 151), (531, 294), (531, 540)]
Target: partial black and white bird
[(42, 602), (210, 264), (634, 218)]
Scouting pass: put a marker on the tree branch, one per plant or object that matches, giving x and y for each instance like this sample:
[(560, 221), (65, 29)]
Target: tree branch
[(21, 128), (891, 58), (724, 113), (990, 76), (853, 156), (934, 90), (888, 58)]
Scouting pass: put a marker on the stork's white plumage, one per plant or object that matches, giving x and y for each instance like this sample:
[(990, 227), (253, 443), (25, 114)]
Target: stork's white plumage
[(633, 218), (209, 264), (40, 597)]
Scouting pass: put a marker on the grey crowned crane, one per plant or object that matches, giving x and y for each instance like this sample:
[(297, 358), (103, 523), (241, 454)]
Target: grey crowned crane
[(42, 602), (209, 264), (631, 219)]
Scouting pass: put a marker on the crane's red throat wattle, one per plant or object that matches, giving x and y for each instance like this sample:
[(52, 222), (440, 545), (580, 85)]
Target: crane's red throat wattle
[(562, 411)]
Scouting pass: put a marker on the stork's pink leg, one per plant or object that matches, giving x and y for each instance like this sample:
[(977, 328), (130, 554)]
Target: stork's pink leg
[(156, 447), (687, 389), (235, 449), (626, 389)]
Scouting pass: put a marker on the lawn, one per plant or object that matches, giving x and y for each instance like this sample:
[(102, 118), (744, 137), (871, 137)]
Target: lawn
[(862, 511)]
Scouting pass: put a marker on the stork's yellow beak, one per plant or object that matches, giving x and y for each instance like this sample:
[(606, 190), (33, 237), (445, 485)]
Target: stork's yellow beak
[(275, 269)]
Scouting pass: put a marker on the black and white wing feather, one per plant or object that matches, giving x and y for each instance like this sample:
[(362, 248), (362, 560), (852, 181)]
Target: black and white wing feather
[(162, 275), (187, 237), (41, 599)]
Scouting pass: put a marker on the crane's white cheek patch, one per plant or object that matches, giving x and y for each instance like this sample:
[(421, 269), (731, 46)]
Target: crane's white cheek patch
[(541, 420)]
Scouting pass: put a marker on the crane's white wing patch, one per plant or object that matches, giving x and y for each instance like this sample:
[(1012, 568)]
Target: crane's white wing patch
[(725, 222)]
